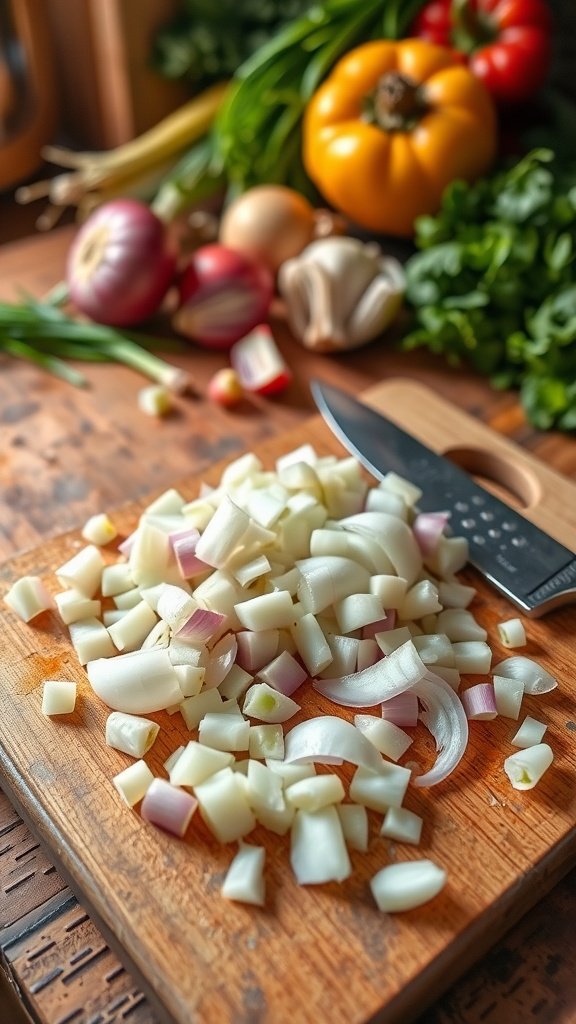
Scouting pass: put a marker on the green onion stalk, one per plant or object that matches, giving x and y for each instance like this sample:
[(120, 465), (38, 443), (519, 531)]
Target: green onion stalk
[(42, 333)]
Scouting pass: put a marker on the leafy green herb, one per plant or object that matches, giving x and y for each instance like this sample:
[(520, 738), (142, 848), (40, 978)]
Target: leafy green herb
[(42, 333), (494, 284), (207, 41)]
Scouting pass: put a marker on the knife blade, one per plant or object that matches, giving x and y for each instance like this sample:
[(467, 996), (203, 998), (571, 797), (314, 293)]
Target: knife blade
[(534, 571)]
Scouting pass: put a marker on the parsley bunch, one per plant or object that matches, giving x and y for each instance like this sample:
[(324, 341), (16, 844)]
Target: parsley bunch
[(494, 284)]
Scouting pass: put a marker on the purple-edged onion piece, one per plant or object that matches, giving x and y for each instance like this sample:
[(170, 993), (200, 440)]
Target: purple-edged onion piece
[(479, 702), (168, 807), (427, 528), (201, 625), (401, 710)]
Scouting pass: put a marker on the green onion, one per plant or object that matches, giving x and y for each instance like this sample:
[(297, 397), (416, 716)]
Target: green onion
[(43, 334)]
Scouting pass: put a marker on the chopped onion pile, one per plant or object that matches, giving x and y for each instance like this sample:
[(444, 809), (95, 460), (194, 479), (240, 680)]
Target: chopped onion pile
[(224, 606)]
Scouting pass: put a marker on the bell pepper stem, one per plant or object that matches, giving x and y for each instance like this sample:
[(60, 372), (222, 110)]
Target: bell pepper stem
[(397, 102), (470, 29)]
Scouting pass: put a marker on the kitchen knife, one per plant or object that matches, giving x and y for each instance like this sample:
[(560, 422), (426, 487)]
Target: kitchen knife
[(534, 571)]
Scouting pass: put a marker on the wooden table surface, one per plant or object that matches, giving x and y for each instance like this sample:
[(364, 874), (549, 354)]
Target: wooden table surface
[(65, 454)]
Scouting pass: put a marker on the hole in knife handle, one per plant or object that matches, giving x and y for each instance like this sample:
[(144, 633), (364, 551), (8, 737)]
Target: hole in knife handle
[(514, 484)]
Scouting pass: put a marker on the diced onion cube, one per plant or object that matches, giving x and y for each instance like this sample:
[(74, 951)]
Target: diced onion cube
[(526, 768), (133, 782), (132, 629), (194, 708), (472, 656), (73, 606), (388, 738), (99, 529), (402, 825), (91, 640), (28, 597), (268, 705), (197, 763), (266, 741), (58, 697), (244, 880), (290, 773), (354, 822), (224, 732), (130, 733), (224, 805), (512, 633), (399, 887), (379, 791), (529, 734), (83, 571), (316, 792), (116, 579), (318, 851), (508, 694), (269, 611)]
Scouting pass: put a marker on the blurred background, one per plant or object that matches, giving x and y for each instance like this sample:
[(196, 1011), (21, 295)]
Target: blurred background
[(92, 75)]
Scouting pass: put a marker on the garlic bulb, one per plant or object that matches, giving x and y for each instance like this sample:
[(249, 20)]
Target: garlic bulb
[(341, 293)]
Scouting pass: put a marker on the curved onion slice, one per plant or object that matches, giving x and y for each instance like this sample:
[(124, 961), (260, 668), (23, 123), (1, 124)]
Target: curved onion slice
[(330, 740), (137, 683), (394, 536), (397, 672), (446, 719), (535, 678), (222, 657), (328, 578)]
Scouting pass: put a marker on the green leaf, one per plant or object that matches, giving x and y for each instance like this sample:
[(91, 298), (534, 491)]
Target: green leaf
[(558, 251)]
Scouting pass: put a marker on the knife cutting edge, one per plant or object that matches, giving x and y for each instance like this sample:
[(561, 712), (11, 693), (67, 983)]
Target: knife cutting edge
[(534, 571)]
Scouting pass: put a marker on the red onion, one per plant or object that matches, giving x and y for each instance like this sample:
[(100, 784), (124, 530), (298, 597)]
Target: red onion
[(120, 264), (223, 296)]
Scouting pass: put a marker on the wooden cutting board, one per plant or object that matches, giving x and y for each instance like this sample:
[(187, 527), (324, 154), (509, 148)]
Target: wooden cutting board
[(316, 953)]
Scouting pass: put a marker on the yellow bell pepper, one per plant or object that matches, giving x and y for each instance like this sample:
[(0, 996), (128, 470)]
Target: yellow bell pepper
[(391, 127)]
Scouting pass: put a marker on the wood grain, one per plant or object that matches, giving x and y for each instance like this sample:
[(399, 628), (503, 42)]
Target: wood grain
[(502, 849)]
